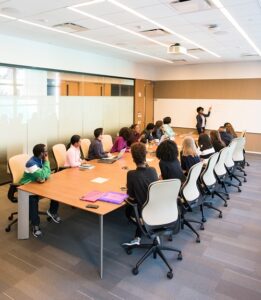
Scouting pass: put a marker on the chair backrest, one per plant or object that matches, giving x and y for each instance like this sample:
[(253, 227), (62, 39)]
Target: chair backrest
[(220, 169), (229, 162), (190, 191), (208, 176), (59, 153), (85, 144), (161, 206), (238, 154), (16, 166), (107, 142)]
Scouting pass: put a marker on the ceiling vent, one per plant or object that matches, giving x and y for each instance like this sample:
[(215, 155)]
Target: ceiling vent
[(156, 32), (246, 55), (70, 27), (177, 49), (195, 50), (188, 6), (179, 61)]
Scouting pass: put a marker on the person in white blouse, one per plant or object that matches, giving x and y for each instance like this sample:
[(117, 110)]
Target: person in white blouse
[(73, 154)]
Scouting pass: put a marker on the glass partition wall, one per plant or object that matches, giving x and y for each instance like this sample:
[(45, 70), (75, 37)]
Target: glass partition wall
[(39, 106)]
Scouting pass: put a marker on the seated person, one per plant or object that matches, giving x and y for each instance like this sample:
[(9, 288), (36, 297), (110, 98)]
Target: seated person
[(146, 135), (230, 129), (73, 154), (96, 147), (158, 130), (168, 131), (216, 141), (205, 146), (121, 140), (225, 136), (189, 154), (135, 134), (37, 169), (169, 164), (138, 182)]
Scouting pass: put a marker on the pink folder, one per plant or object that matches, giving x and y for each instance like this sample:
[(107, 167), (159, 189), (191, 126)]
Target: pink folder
[(91, 196)]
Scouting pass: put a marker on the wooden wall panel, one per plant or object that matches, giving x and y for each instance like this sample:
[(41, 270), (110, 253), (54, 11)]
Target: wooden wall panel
[(209, 89), (139, 103), (149, 107)]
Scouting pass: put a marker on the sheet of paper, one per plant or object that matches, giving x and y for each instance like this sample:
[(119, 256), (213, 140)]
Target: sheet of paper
[(99, 180)]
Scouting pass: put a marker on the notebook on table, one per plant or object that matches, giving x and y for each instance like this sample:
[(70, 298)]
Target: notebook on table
[(112, 159)]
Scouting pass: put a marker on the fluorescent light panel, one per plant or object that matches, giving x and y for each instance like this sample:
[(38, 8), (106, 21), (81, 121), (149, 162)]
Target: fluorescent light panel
[(7, 17), (74, 8), (227, 14), (126, 8), (93, 41)]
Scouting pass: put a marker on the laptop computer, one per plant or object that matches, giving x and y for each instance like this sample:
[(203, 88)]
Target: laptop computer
[(112, 159)]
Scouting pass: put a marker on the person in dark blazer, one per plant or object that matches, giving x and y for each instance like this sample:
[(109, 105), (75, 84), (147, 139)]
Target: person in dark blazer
[(202, 119)]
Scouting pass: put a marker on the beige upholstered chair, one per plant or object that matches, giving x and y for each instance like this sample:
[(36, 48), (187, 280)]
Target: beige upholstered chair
[(59, 153), (107, 142), (85, 144)]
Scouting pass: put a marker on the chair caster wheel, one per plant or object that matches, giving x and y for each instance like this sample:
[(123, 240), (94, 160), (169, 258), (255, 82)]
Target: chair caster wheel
[(49, 219), (180, 256), (202, 227), (170, 275), (129, 251), (7, 229), (225, 204), (228, 197), (135, 271), (197, 240), (245, 180), (239, 190), (204, 220), (240, 184), (220, 216), (170, 238), (10, 218)]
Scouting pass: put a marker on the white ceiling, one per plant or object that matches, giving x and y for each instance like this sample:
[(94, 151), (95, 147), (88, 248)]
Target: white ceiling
[(225, 41)]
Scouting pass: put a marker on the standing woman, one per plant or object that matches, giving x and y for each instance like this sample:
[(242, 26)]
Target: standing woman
[(216, 141), (73, 154), (121, 140), (169, 164), (202, 119), (189, 154)]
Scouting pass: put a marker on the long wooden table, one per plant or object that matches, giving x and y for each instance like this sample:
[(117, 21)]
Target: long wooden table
[(70, 184)]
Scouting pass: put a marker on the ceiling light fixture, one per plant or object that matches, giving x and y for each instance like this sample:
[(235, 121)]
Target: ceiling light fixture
[(117, 26), (227, 14), (126, 8), (94, 41)]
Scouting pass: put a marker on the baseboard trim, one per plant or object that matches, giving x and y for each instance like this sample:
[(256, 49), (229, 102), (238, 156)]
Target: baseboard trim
[(253, 152)]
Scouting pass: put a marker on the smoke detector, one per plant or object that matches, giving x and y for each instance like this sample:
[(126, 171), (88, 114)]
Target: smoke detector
[(177, 49)]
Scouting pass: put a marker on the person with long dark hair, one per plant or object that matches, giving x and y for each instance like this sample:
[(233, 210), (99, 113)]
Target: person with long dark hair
[(205, 146), (121, 140), (216, 141), (73, 153), (169, 164)]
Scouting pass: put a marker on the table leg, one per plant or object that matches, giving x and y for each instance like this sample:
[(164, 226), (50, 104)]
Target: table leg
[(101, 245), (23, 215)]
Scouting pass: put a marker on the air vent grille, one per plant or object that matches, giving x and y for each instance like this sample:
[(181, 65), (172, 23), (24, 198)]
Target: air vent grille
[(188, 6), (155, 32), (70, 27)]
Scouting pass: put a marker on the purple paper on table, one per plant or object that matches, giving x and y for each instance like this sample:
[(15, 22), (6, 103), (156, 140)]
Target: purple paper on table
[(113, 197)]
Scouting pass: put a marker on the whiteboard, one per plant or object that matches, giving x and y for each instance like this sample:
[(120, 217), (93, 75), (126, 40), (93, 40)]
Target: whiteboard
[(242, 114)]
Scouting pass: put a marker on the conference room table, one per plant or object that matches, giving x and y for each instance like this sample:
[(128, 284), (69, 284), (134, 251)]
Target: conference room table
[(67, 187)]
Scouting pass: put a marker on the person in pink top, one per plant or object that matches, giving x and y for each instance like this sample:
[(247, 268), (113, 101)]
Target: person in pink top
[(73, 154), (121, 140)]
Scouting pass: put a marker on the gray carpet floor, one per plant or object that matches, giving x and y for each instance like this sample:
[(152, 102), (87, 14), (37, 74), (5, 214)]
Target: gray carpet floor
[(63, 264)]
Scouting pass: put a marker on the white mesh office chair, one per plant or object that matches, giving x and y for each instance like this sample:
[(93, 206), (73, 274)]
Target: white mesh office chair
[(85, 144), (230, 164), (221, 171), (107, 142), (160, 216), (209, 182), (192, 198), (239, 155)]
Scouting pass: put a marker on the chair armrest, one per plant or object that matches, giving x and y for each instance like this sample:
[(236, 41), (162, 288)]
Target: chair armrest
[(12, 190)]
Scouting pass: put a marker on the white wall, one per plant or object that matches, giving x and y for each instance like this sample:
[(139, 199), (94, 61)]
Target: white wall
[(211, 71), (29, 53)]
